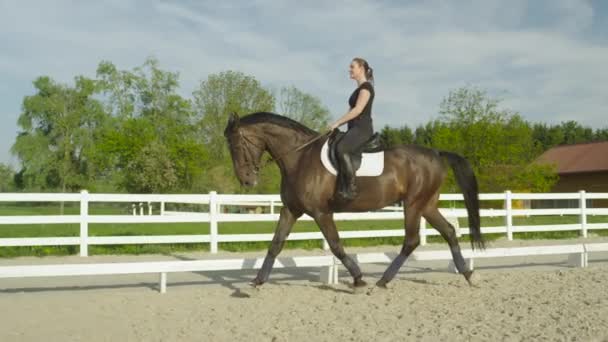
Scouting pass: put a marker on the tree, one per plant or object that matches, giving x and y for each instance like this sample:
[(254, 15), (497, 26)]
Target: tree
[(498, 143), (575, 133), (423, 135), (148, 112), (302, 107), (221, 94), (601, 134), (406, 135), (152, 170), (57, 134), (547, 136), (393, 137), (7, 178), (390, 136), (216, 97)]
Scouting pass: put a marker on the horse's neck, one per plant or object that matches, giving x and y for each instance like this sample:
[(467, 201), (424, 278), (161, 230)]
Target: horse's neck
[(282, 144)]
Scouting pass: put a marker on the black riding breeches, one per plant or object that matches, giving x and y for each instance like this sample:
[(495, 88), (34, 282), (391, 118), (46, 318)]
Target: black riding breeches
[(354, 138)]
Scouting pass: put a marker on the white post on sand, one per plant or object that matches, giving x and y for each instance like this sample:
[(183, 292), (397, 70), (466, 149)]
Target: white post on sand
[(329, 274), (422, 231), (325, 245), (453, 220), (508, 215), (469, 262), (163, 283), (583, 217), (84, 223), (213, 205), (577, 259)]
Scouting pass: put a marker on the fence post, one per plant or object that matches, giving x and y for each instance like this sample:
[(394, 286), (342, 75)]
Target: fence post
[(162, 208), (325, 245), (163, 283), (141, 209), (509, 215), (272, 206), (583, 218), (422, 232), (149, 209), (84, 223), (213, 221)]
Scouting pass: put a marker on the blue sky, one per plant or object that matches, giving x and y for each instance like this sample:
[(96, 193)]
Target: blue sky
[(547, 59)]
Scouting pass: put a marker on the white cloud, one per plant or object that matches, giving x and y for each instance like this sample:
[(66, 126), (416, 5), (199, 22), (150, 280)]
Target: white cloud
[(541, 56)]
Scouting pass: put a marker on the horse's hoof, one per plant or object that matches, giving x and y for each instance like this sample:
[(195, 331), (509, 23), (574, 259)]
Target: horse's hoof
[(359, 283), (255, 283), (472, 278), (381, 284)]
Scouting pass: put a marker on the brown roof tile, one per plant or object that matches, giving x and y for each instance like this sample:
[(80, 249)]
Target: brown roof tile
[(588, 157)]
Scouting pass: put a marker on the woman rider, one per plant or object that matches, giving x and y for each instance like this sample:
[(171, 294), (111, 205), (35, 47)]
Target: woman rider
[(359, 120)]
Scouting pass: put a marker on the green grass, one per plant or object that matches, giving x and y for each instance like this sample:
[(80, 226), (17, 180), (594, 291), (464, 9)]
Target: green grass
[(67, 230)]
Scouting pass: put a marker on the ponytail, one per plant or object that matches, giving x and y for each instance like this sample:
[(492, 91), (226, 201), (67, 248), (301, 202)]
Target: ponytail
[(369, 72)]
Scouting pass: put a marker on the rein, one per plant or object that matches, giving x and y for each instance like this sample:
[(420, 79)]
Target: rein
[(279, 157)]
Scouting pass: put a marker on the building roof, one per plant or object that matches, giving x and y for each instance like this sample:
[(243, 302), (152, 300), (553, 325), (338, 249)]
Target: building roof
[(578, 158)]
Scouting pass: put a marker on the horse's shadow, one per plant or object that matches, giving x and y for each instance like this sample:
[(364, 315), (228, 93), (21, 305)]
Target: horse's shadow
[(234, 280)]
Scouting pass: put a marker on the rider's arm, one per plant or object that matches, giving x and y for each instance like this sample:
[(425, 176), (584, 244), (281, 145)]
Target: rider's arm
[(362, 100)]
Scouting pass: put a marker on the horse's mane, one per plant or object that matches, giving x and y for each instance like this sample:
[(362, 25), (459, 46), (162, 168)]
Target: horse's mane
[(280, 120)]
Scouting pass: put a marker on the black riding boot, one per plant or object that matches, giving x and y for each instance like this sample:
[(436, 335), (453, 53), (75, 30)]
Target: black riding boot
[(347, 190)]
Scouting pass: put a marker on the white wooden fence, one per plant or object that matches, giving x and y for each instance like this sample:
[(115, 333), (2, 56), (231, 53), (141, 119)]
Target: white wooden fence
[(577, 254), (215, 214), (577, 257)]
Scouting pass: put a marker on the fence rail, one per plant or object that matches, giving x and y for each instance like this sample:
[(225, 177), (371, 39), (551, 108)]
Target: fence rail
[(215, 215), (577, 257)]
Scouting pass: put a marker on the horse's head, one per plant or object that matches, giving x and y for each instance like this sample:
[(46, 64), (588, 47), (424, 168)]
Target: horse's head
[(246, 150)]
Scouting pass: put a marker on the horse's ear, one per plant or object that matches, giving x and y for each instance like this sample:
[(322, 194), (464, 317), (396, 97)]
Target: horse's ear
[(233, 123), (233, 120)]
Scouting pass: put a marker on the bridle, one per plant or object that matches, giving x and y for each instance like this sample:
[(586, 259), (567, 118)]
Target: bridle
[(257, 167)]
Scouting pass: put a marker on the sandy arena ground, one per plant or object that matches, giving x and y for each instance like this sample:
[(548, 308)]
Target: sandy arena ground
[(519, 299)]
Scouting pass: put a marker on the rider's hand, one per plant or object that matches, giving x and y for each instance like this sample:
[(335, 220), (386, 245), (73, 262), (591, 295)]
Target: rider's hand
[(333, 126)]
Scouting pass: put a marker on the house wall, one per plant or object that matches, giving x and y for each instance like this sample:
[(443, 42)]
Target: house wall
[(590, 182)]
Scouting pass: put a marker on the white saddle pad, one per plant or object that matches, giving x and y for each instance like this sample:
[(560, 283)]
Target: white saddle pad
[(372, 164)]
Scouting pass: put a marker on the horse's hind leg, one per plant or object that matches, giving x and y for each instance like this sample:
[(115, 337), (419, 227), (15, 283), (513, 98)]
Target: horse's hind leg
[(412, 240), (434, 217), (328, 228)]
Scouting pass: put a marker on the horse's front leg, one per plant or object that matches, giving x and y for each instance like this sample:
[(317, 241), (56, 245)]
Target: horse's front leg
[(286, 220), (328, 228)]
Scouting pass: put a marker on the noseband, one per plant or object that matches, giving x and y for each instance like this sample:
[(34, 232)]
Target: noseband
[(244, 138)]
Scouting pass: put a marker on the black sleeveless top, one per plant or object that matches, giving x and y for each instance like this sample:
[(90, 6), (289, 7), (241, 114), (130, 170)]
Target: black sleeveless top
[(364, 120)]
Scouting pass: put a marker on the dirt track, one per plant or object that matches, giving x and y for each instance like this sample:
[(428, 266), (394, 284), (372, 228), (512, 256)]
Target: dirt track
[(543, 302)]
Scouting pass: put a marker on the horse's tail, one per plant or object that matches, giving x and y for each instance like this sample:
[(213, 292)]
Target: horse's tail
[(465, 177)]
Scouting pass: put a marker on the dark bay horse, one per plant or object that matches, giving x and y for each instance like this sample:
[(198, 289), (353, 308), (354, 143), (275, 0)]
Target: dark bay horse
[(412, 175)]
